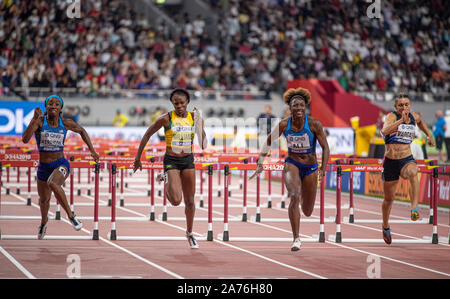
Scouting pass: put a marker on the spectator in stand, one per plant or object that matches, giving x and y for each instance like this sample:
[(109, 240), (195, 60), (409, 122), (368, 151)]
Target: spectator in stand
[(440, 127), (120, 120)]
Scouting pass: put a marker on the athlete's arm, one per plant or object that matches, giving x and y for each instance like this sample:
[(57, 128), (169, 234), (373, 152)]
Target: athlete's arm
[(391, 124), (200, 129), (317, 129), (162, 120), (34, 125), (73, 126), (423, 126), (274, 135)]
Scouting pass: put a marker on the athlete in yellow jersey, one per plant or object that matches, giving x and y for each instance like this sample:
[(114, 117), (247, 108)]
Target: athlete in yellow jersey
[(180, 128)]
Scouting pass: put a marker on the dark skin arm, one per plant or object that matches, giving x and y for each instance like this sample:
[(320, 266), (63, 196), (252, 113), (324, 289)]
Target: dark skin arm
[(276, 132), (161, 121), (73, 126), (34, 125), (317, 129)]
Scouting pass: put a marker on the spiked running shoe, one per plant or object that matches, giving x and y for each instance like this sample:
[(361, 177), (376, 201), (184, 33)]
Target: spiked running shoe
[(387, 235), (42, 230), (415, 214), (296, 245), (77, 225), (192, 241)]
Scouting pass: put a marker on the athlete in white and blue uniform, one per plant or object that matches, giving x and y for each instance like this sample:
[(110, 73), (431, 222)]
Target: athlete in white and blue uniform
[(398, 132), (301, 132), (50, 130)]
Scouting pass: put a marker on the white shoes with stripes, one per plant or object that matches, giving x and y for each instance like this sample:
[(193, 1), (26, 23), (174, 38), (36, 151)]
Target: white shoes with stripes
[(296, 245), (192, 241)]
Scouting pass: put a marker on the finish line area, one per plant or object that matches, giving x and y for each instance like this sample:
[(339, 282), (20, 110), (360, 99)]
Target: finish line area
[(130, 230)]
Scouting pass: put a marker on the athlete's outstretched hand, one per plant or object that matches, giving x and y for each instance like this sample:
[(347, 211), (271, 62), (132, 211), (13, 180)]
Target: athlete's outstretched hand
[(259, 169), (137, 164)]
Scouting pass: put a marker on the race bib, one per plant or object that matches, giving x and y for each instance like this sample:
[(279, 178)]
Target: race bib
[(406, 133), (51, 139), (298, 144)]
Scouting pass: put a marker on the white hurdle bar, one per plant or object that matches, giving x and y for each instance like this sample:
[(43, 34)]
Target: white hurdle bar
[(74, 165), (338, 236)]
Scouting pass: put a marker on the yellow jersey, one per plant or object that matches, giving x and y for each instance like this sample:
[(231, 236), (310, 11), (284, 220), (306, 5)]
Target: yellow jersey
[(181, 132)]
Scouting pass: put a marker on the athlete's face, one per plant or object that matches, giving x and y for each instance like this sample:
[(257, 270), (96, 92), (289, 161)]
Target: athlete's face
[(403, 104), (298, 108), (53, 107), (180, 103)]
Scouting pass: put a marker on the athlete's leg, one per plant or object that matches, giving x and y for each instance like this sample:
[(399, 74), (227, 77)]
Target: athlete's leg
[(309, 190), (389, 188), (55, 182), (173, 187), (293, 186), (188, 185), (45, 194), (409, 172)]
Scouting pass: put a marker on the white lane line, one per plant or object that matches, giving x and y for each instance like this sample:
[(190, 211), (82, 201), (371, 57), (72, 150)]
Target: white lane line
[(114, 245), (17, 264)]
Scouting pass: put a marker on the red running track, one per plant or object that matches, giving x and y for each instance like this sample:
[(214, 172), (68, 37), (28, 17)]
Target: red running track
[(105, 258)]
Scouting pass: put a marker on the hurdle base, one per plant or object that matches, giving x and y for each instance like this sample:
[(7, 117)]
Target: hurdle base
[(29, 201), (434, 239), (225, 236), (322, 237), (244, 217), (58, 215), (95, 234), (338, 237), (210, 237), (152, 216), (113, 235)]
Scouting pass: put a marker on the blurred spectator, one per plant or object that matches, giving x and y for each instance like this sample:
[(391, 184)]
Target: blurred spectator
[(120, 120), (259, 45), (71, 114), (264, 121), (447, 134), (439, 133)]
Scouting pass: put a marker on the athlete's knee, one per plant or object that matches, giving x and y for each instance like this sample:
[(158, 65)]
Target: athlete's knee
[(44, 200), (307, 210), (53, 185), (190, 204)]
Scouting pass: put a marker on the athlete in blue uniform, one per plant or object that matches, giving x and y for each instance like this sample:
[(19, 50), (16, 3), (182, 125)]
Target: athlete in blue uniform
[(398, 132), (53, 169), (301, 132)]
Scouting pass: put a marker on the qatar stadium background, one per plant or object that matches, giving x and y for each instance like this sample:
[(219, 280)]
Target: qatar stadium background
[(235, 58)]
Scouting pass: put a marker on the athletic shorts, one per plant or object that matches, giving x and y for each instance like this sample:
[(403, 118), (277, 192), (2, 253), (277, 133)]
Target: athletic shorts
[(45, 169), (180, 163), (303, 169), (439, 141), (392, 168)]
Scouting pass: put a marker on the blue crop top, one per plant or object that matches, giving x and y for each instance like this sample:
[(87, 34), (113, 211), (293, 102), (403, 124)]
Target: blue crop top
[(302, 142), (404, 134), (51, 139)]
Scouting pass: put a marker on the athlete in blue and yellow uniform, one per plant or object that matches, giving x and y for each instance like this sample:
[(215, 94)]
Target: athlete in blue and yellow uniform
[(180, 128), (301, 132), (53, 169), (398, 132)]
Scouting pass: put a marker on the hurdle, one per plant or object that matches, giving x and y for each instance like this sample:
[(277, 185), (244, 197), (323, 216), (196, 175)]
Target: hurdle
[(113, 235), (73, 165), (225, 236), (378, 162), (338, 235)]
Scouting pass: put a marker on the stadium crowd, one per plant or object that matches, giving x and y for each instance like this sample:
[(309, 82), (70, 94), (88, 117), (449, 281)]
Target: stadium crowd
[(259, 45)]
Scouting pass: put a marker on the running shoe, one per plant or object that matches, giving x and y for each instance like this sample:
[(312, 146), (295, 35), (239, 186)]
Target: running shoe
[(42, 230), (192, 241), (415, 214), (387, 235), (296, 245), (77, 225)]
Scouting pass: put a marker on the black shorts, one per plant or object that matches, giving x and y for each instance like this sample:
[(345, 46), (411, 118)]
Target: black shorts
[(439, 141), (179, 163), (392, 168)]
